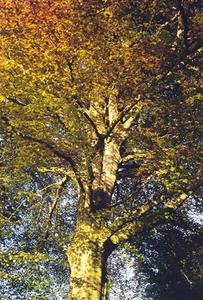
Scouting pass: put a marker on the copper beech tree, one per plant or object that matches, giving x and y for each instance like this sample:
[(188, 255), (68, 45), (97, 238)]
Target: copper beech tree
[(105, 94)]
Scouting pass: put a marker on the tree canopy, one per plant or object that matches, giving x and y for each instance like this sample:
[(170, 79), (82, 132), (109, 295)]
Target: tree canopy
[(104, 95)]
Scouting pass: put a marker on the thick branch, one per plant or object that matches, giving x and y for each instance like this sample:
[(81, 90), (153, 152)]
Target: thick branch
[(138, 154), (183, 24), (16, 100), (168, 23), (82, 109), (120, 117), (59, 153), (53, 206), (122, 227), (59, 170), (46, 144), (112, 107), (89, 119)]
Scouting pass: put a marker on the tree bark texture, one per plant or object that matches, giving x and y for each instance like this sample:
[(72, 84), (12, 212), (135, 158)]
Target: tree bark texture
[(86, 273), (87, 257), (91, 244)]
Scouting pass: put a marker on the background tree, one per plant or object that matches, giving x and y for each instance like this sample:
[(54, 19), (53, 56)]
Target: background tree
[(163, 263), (107, 95), (172, 261)]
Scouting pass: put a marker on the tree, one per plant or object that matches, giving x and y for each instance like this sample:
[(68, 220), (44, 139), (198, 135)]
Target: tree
[(107, 95), (172, 257), (163, 263)]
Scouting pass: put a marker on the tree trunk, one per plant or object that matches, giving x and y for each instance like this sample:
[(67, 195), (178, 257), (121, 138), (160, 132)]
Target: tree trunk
[(87, 259)]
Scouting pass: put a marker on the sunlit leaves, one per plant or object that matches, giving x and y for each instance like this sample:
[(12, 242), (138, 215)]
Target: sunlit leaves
[(62, 63)]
